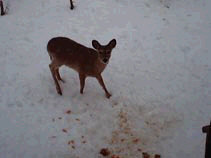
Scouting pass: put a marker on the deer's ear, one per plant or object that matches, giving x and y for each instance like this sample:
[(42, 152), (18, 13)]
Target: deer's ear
[(95, 44), (112, 43)]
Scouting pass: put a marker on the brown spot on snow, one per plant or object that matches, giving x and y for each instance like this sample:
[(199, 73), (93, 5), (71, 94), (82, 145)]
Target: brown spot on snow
[(145, 155), (115, 156), (157, 156), (71, 142), (105, 152), (136, 140), (64, 130), (68, 112)]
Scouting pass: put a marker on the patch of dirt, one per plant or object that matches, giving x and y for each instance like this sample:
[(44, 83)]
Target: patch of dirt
[(126, 141), (64, 130), (68, 112), (105, 152), (115, 156), (71, 142), (145, 155), (157, 156)]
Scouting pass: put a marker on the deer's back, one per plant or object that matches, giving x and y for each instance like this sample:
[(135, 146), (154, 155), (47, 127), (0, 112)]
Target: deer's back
[(70, 53), (63, 46)]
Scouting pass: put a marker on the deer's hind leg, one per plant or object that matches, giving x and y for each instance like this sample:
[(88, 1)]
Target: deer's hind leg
[(53, 68), (82, 78)]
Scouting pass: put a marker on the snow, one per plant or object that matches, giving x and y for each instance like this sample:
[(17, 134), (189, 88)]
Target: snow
[(159, 76)]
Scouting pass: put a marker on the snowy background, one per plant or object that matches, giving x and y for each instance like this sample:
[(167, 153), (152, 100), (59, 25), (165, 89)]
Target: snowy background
[(159, 76)]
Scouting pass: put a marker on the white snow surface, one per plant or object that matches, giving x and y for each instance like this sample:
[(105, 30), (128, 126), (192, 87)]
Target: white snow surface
[(159, 76)]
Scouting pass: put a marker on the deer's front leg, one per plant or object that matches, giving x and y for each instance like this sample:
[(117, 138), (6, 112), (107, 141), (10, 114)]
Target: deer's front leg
[(100, 80)]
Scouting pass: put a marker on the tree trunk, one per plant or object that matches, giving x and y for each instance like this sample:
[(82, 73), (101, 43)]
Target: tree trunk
[(2, 7), (207, 130), (71, 4)]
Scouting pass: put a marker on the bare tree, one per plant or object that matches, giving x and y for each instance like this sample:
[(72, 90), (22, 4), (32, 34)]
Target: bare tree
[(2, 7), (207, 130), (71, 4)]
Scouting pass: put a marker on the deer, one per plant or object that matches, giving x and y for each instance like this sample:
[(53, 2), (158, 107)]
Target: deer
[(88, 62)]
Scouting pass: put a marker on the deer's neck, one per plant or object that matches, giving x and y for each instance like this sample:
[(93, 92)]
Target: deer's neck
[(100, 65)]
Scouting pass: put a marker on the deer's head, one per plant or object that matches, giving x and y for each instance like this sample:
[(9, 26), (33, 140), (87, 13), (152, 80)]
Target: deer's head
[(104, 51)]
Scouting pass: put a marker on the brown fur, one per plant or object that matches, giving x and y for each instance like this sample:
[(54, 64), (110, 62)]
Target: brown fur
[(86, 61)]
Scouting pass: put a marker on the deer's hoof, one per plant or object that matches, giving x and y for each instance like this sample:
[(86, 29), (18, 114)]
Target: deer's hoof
[(108, 95), (60, 93)]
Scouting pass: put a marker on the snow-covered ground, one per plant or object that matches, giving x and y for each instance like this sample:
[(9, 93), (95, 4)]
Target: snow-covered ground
[(159, 76)]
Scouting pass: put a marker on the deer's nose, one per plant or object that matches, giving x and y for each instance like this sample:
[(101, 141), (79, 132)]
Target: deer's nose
[(105, 60)]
